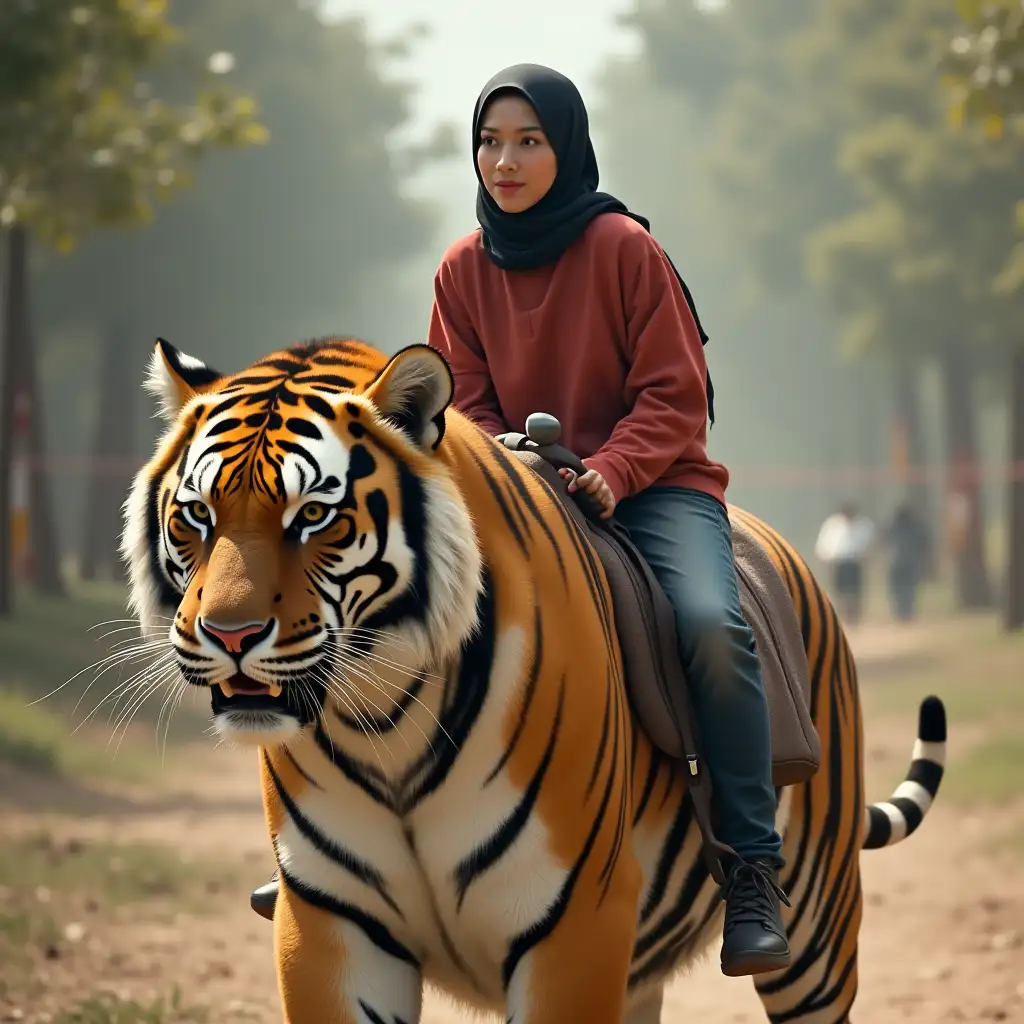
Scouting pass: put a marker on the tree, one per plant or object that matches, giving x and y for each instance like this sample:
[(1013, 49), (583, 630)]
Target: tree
[(310, 235), (986, 76), (84, 145), (881, 239), (708, 131)]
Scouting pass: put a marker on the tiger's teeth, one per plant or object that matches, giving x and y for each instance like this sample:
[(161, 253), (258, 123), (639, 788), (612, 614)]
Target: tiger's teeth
[(227, 689), (274, 689)]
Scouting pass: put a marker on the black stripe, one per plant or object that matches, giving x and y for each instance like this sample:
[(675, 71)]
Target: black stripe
[(514, 470), (531, 689), (654, 764), (365, 776), (926, 773), (373, 929), (302, 771), (389, 721), (470, 691), (602, 744), (499, 500), (540, 930), (671, 850), (493, 849), (360, 869)]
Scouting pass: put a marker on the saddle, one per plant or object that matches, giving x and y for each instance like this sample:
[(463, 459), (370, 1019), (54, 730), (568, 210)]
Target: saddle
[(645, 623)]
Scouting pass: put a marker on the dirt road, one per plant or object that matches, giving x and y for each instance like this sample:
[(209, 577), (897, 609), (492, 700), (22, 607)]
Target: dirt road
[(943, 938)]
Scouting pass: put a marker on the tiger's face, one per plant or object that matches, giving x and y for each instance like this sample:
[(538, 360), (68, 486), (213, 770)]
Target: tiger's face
[(296, 523)]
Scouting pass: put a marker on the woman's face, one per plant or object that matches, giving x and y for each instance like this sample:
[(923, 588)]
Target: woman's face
[(517, 164)]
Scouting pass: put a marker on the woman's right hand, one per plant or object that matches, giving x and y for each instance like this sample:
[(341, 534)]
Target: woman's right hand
[(595, 485)]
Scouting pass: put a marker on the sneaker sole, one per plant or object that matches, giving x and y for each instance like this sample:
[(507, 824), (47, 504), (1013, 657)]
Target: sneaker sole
[(757, 963)]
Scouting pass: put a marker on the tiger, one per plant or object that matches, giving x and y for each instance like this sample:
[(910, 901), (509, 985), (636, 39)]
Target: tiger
[(409, 628)]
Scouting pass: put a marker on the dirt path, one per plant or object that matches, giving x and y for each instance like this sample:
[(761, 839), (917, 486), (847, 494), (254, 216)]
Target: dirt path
[(943, 937)]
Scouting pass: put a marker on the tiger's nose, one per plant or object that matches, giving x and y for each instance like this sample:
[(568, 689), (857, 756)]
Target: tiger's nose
[(233, 638)]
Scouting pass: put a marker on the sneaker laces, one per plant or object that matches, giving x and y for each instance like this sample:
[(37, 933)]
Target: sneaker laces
[(750, 893)]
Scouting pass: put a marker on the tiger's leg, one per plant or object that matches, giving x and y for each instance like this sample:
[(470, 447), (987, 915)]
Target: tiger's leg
[(823, 837), (330, 970), (648, 1010), (579, 971), (820, 985)]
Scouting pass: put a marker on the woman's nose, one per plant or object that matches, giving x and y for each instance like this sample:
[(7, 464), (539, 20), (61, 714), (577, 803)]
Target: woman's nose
[(506, 161)]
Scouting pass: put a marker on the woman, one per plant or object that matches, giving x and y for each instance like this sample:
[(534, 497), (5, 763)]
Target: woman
[(562, 302)]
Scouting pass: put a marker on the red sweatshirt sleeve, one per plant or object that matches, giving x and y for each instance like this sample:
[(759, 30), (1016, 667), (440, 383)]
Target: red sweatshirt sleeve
[(665, 383), (452, 334)]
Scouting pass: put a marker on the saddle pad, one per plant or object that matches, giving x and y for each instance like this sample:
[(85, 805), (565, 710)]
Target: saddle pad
[(645, 624)]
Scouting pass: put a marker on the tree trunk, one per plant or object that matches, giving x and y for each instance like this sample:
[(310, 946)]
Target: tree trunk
[(967, 535), (1015, 519), (909, 450), (113, 450), (13, 292), (45, 549)]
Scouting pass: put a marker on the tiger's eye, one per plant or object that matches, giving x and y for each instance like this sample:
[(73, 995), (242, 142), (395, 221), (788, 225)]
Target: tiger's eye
[(314, 512), (199, 510)]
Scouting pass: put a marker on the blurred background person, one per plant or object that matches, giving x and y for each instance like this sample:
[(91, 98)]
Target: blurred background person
[(908, 549), (844, 541)]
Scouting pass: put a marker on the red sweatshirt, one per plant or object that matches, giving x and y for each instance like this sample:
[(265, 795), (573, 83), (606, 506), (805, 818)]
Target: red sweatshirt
[(603, 339)]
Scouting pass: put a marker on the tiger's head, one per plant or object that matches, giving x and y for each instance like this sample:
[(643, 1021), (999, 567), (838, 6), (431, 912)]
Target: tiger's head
[(294, 518)]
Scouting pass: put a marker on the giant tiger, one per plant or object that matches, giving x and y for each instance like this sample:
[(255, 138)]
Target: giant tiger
[(406, 623)]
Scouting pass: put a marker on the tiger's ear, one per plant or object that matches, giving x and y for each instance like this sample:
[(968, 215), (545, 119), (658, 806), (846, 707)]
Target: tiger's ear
[(412, 393), (174, 378)]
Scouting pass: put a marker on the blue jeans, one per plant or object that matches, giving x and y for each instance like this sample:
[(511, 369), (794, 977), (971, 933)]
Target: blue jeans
[(686, 538)]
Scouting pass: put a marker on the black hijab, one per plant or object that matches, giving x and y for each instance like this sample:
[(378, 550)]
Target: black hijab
[(538, 236)]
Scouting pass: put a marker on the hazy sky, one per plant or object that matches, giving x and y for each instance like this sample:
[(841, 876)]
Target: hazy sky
[(470, 41)]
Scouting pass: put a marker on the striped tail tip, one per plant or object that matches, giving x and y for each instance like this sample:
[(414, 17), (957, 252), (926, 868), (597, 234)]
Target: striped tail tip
[(892, 820)]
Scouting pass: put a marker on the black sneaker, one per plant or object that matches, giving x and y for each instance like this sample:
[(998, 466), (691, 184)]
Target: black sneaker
[(264, 898), (755, 937)]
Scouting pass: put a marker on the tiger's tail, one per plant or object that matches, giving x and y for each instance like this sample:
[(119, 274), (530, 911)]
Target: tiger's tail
[(892, 820)]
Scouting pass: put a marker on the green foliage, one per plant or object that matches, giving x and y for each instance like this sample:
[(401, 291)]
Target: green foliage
[(84, 142), (986, 65), (986, 79), (304, 236), (694, 147), (831, 162)]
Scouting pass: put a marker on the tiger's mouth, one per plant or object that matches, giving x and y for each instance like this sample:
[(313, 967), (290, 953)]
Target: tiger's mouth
[(240, 693)]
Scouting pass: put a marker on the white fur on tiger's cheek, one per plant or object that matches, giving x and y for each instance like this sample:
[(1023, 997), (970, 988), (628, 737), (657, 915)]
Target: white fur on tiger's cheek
[(143, 591), (455, 568)]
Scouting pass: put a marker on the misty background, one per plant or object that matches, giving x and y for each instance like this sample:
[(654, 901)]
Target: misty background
[(796, 159)]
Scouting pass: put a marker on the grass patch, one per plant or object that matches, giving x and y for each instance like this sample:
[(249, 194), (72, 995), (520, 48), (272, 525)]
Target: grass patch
[(50, 888), (22, 926), (44, 644), (111, 873), (46, 641), (111, 1009), (42, 740), (992, 772), (973, 666), (50, 891)]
